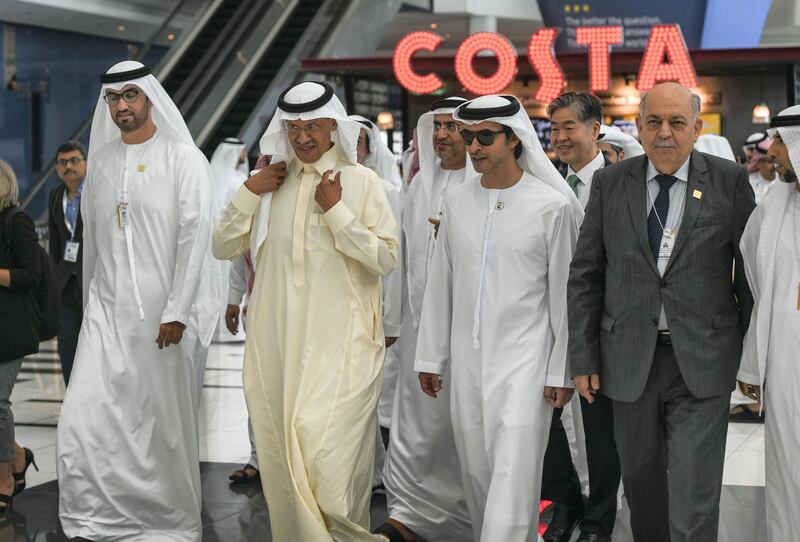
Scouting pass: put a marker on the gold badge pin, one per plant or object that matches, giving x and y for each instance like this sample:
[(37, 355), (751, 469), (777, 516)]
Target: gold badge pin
[(697, 194), (140, 169)]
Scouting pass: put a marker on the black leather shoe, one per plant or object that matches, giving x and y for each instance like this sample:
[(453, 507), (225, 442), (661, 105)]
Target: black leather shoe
[(593, 537), (563, 523)]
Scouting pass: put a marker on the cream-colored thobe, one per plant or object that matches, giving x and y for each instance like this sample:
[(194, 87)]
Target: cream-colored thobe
[(315, 345)]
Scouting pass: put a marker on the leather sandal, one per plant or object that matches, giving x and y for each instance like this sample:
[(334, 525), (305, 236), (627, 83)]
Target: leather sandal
[(241, 477)]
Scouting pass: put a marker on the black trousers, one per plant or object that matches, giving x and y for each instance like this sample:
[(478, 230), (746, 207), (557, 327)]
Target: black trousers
[(71, 317), (560, 482)]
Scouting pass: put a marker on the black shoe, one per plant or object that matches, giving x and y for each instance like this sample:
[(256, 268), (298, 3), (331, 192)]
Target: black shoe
[(593, 537), (563, 523)]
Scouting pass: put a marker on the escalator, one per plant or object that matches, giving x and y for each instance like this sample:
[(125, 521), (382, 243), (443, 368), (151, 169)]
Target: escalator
[(271, 62), (200, 45)]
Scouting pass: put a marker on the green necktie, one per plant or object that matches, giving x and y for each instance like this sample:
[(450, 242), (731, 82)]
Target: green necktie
[(573, 181)]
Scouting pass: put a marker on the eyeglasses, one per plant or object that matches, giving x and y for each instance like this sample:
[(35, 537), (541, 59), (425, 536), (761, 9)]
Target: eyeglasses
[(295, 129), (485, 137), (450, 127), (130, 96), (74, 161)]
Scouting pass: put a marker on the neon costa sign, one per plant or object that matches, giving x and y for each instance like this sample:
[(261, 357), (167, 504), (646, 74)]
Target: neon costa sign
[(666, 58)]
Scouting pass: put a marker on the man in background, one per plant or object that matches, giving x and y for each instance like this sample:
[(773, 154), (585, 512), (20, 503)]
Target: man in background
[(66, 236)]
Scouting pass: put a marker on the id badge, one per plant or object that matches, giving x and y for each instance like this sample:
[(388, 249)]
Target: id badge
[(122, 215), (71, 251), (666, 246)]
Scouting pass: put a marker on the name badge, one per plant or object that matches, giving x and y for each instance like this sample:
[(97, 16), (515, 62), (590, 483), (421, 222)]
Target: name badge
[(71, 251), (666, 246), (122, 215)]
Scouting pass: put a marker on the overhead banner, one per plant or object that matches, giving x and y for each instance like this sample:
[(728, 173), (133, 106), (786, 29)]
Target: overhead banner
[(635, 17)]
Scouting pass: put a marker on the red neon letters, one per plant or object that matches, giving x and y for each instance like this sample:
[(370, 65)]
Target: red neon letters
[(506, 63), (664, 40), (599, 39), (405, 74), (543, 60)]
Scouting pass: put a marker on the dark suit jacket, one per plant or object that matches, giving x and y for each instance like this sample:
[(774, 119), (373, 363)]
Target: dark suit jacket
[(59, 235), (615, 291)]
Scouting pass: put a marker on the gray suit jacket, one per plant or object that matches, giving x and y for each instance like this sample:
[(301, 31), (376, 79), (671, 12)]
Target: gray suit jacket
[(615, 291)]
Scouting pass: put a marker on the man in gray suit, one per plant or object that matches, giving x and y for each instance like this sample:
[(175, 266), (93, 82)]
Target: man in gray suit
[(656, 320)]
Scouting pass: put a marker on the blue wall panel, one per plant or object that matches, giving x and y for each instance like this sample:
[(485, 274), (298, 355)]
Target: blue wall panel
[(64, 69)]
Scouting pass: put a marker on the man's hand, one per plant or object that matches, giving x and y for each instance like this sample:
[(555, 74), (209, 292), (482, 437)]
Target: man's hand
[(750, 390), (436, 222), (431, 383), (390, 341), (557, 397), (329, 191), (232, 319), (587, 386), (267, 179), (170, 333)]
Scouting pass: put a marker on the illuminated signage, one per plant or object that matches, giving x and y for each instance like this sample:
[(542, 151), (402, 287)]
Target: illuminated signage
[(666, 58)]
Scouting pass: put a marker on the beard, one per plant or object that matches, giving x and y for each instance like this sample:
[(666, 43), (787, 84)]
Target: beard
[(135, 123), (789, 176)]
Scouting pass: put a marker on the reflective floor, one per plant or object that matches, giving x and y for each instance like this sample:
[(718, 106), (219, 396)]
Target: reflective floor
[(239, 513)]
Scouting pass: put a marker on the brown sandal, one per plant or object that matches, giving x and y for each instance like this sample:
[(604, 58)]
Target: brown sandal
[(241, 477)]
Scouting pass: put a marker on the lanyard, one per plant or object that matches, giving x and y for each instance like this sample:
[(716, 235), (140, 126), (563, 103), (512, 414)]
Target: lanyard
[(66, 220), (123, 208), (669, 232)]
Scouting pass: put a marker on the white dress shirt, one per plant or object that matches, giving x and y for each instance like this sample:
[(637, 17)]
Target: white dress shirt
[(585, 175), (677, 203)]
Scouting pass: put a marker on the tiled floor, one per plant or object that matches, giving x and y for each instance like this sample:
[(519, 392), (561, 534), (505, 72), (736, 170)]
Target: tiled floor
[(231, 513)]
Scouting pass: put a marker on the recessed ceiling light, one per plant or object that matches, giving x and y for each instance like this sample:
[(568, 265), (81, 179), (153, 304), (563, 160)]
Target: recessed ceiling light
[(434, 26), (121, 28), (170, 36)]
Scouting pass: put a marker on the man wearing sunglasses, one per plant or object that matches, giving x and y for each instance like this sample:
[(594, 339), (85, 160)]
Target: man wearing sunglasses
[(494, 314), (575, 126), (66, 237)]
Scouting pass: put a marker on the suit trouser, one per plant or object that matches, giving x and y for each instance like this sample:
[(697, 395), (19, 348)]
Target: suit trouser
[(71, 318), (672, 449), (603, 462), (560, 482)]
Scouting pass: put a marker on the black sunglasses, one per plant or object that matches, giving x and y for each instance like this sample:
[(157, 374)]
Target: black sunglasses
[(485, 137)]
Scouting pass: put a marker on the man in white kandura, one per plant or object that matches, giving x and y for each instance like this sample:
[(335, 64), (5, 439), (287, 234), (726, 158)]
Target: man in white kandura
[(229, 164), (313, 369), (422, 478), (762, 169), (127, 445), (495, 312), (373, 153), (770, 372)]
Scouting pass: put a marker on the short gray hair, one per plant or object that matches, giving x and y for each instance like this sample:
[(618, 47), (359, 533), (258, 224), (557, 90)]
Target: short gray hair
[(9, 189), (696, 103)]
